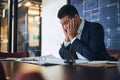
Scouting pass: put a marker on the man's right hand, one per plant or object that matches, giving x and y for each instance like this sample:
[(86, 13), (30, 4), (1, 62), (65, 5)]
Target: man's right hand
[(66, 36)]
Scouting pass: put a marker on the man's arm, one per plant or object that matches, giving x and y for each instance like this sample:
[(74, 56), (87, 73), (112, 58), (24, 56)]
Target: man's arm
[(94, 49), (62, 49)]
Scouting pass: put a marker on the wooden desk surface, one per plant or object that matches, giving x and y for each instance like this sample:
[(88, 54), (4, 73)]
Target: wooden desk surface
[(60, 72)]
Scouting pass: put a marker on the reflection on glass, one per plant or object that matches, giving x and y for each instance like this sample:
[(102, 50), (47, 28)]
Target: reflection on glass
[(34, 27)]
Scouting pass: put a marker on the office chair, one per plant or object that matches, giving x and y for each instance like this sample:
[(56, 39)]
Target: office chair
[(14, 54)]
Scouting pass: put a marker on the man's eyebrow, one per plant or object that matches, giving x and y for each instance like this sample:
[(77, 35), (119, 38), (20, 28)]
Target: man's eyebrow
[(66, 21)]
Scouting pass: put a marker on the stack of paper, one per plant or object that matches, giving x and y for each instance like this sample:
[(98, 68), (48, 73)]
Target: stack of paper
[(43, 60)]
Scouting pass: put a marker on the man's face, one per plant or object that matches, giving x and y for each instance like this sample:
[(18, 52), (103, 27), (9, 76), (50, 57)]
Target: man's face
[(65, 22)]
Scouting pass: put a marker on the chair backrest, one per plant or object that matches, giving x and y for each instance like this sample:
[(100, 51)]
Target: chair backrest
[(114, 53), (14, 55)]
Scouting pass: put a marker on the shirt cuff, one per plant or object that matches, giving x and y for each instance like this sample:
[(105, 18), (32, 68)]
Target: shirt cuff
[(66, 43), (73, 39)]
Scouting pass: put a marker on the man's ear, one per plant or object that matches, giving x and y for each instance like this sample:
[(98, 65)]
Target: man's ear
[(76, 16)]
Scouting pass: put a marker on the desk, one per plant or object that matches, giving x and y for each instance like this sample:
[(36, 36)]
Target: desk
[(62, 72)]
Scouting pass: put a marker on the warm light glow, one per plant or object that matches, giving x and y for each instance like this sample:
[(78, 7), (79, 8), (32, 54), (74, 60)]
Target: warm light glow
[(36, 5), (27, 4), (37, 18), (30, 19), (33, 12)]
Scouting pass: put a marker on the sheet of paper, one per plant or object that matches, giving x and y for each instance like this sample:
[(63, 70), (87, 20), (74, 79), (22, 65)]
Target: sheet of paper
[(48, 59)]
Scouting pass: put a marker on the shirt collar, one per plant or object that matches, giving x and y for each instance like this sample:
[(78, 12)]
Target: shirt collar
[(81, 26)]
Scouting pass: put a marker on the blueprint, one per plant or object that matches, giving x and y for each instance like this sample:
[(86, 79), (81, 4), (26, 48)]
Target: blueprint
[(106, 12)]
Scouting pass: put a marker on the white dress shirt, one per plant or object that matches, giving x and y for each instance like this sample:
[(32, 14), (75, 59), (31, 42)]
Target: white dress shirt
[(79, 32)]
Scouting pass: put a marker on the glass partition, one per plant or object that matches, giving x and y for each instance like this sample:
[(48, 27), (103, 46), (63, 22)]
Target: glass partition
[(28, 26), (3, 25)]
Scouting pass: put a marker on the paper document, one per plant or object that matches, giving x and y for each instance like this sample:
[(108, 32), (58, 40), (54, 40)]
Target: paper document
[(48, 59)]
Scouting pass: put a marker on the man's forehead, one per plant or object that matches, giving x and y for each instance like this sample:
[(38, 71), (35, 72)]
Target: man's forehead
[(64, 19)]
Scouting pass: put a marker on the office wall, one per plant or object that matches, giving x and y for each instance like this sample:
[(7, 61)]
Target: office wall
[(52, 35), (106, 12)]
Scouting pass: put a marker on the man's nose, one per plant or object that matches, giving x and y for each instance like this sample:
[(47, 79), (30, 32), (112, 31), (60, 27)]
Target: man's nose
[(65, 26)]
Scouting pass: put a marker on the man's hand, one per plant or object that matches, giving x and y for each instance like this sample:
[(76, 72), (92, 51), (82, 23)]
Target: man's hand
[(72, 29), (66, 36)]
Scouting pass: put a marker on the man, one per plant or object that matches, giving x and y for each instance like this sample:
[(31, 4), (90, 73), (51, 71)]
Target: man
[(85, 40)]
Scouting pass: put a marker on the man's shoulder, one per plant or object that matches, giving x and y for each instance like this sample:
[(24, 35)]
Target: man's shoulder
[(93, 24)]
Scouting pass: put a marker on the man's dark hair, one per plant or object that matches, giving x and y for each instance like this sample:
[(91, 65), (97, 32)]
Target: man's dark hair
[(67, 10)]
